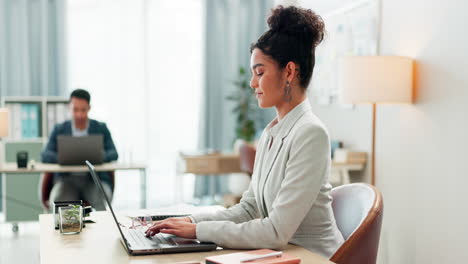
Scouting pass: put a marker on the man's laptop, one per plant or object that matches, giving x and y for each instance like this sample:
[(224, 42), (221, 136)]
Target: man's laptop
[(135, 241), (76, 150)]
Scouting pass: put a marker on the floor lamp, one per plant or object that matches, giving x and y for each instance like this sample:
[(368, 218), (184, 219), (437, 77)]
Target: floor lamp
[(3, 131), (375, 80)]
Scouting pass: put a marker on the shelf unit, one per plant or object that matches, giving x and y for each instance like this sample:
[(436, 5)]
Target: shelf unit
[(51, 110), (19, 198)]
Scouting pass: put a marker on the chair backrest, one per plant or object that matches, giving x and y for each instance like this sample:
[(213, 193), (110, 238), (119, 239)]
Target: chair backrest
[(247, 157), (358, 210), (47, 181), (45, 186)]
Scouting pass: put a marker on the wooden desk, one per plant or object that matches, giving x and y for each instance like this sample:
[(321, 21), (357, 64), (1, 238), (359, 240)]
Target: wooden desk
[(100, 243), (343, 170), (11, 167), (209, 165), (218, 163)]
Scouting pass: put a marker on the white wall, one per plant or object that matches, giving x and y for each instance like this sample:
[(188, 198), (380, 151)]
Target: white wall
[(421, 153), (422, 166), (321, 7)]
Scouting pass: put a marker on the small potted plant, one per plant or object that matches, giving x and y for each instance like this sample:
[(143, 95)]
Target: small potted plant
[(71, 219)]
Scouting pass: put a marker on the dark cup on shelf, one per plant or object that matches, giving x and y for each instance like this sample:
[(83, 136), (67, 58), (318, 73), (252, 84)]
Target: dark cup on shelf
[(22, 159)]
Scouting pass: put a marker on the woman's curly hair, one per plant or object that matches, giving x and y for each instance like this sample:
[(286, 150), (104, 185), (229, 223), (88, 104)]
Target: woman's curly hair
[(293, 35)]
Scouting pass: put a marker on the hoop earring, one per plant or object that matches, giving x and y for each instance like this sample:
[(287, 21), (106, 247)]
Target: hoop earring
[(287, 97)]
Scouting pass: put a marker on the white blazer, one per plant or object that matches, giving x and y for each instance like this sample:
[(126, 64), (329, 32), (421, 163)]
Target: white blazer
[(288, 200)]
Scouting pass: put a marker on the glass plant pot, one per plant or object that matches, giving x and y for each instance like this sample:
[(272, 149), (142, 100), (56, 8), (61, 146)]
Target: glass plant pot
[(71, 219)]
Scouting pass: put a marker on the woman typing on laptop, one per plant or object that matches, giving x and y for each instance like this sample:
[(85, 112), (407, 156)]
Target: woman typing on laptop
[(288, 200)]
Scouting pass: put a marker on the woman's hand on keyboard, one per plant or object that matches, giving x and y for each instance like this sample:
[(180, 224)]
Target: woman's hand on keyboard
[(179, 226)]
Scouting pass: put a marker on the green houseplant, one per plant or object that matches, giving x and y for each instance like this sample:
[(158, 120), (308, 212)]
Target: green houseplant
[(245, 107), (71, 219)]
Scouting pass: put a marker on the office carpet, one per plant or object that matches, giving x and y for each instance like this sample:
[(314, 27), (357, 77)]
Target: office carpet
[(20, 247)]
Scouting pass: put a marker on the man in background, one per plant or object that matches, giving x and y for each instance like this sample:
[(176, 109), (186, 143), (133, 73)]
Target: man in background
[(80, 186)]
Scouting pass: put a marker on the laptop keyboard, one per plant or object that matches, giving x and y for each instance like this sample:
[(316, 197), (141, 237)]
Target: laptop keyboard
[(139, 238)]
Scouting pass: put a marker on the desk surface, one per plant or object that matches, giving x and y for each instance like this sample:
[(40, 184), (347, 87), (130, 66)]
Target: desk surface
[(100, 243), (219, 163), (11, 167), (348, 166)]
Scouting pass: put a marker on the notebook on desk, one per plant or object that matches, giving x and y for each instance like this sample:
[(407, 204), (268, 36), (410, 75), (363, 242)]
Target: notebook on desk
[(135, 241), (264, 256)]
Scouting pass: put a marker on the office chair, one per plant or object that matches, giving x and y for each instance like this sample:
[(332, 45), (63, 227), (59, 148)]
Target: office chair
[(47, 182), (358, 210), (247, 157)]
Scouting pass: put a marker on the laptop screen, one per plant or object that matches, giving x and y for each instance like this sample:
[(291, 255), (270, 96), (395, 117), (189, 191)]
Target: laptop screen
[(106, 199), (76, 150)]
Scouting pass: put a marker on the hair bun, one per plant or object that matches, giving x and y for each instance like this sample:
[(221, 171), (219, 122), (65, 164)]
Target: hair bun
[(298, 22)]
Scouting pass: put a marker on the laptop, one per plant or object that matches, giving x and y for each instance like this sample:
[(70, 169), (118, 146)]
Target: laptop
[(135, 241), (76, 150)]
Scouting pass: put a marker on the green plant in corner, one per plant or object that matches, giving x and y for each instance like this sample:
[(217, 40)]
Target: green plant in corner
[(245, 108)]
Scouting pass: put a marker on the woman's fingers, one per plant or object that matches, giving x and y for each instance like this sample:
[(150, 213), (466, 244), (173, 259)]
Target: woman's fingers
[(178, 228), (150, 230), (156, 228)]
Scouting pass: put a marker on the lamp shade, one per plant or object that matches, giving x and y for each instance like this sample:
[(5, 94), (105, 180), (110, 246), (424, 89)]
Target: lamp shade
[(3, 122), (376, 79)]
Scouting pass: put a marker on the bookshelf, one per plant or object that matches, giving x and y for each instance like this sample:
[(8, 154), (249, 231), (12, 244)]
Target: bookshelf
[(32, 118)]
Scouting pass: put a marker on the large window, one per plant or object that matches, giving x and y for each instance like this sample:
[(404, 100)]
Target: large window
[(142, 62)]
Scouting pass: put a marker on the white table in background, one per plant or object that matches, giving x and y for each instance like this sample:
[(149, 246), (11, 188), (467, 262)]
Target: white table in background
[(11, 167)]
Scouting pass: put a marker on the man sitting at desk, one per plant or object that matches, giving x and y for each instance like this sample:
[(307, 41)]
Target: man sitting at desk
[(79, 186)]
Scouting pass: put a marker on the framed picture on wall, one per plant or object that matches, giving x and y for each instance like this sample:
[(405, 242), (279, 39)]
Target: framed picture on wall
[(351, 30)]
